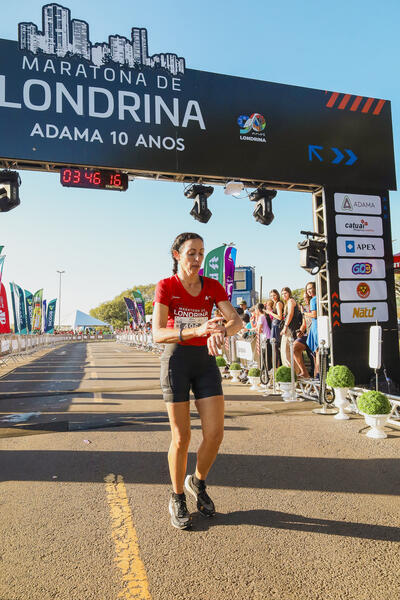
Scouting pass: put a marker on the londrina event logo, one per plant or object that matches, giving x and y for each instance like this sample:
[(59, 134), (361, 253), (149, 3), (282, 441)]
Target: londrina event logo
[(254, 124)]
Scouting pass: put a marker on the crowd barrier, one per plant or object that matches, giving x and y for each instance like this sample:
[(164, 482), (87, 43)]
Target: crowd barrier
[(249, 353), (14, 347)]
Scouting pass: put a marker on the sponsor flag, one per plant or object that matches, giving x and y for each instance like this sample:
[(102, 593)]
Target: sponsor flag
[(1, 249), (44, 315), (229, 270), (220, 265), (138, 298), (130, 305), (51, 316), (4, 315), (18, 304), (37, 312), (29, 310), (214, 264), (1, 264)]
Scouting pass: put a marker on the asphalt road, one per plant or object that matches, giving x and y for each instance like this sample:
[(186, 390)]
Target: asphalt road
[(308, 507)]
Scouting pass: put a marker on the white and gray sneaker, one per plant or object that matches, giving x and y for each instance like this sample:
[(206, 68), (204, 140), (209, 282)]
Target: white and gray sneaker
[(180, 516), (205, 505)]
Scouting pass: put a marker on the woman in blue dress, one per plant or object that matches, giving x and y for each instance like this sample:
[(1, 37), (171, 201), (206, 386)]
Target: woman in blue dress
[(308, 342)]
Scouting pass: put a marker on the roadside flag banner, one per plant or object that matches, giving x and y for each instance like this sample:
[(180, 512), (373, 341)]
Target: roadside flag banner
[(28, 310), (20, 299), (51, 316), (1, 249), (4, 315), (15, 307), (130, 305), (1, 264), (44, 315), (37, 312), (229, 270), (214, 264), (140, 304)]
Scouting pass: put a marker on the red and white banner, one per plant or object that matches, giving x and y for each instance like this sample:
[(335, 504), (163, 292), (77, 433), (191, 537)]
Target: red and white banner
[(4, 316)]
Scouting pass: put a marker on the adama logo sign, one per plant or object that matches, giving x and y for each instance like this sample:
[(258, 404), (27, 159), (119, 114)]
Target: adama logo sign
[(358, 203)]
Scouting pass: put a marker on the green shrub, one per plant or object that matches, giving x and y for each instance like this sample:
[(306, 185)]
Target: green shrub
[(254, 372), (235, 367), (284, 374), (340, 376), (221, 362), (374, 403)]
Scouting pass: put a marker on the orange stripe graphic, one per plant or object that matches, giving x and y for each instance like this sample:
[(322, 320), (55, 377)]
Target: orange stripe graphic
[(344, 102), (379, 107), (332, 99), (367, 105), (356, 103)]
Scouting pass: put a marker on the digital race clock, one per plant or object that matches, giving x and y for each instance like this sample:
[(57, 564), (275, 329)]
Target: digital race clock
[(100, 179)]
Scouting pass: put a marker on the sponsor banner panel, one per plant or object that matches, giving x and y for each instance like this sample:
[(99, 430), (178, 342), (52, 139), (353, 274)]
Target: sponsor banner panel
[(349, 246), (358, 225), (358, 203), (364, 312), (362, 290), (370, 268)]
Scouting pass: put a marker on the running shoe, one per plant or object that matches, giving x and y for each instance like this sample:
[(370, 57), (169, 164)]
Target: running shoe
[(205, 505), (180, 516)]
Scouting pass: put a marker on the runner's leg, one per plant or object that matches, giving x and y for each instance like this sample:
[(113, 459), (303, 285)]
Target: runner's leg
[(179, 419), (211, 412)]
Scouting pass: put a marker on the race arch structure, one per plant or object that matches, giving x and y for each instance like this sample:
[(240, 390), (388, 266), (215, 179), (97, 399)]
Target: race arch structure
[(65, 101)]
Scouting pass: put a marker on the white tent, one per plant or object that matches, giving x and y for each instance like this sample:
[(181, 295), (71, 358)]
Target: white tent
[(81, 319)]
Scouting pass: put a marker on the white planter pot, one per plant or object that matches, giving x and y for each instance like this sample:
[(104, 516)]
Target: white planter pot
[(222, 371), (377, 423), (286, 390), (255, 382), (235, 375), (341, 403)]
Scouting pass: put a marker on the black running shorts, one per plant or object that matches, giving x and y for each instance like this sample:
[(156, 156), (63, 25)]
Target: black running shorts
[(185, 368)]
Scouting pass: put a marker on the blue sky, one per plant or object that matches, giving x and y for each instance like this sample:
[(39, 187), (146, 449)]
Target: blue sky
[(109, 241)]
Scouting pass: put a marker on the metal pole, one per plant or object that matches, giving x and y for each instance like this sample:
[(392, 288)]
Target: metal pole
[(292, 372), (59, 301), (260, 288)]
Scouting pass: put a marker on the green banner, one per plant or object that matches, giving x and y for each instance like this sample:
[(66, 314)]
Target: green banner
[(37, 312), (51, 316), (29, 310), (214, 264)]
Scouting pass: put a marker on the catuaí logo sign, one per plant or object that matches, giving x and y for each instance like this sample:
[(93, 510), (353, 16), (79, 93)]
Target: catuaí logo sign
[(254, 124), (363, 290)]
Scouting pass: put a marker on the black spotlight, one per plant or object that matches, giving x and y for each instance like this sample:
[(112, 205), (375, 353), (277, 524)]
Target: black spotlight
[(9, 190), (263, 211), (312, 253), (200, 193)]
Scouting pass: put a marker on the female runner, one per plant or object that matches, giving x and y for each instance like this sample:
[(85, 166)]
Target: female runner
[(181, 320)]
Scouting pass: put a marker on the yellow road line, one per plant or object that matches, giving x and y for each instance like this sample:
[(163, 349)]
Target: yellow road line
[(134, 578)]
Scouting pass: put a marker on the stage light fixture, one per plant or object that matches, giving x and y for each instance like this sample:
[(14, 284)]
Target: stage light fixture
[(200, 193), (312, 253), (234, 188), (9, 190), (263, 211)]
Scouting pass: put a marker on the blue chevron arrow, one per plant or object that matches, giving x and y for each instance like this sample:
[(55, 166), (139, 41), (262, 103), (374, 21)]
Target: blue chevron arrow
[(312, 150), (352, 156), (339, 156)]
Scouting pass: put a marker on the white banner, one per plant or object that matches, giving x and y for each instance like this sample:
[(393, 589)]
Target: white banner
[(244, 350), (362, 290), (348, 246), (358, 203), (363, 312), (370, 268), (358, 225)]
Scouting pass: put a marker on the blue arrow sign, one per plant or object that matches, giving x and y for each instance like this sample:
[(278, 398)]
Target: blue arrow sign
[(352, 158), (312, 150), (339, 156)]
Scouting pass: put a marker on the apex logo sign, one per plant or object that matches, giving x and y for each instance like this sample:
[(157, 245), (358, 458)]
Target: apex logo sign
[(357, 203), (368, 247)]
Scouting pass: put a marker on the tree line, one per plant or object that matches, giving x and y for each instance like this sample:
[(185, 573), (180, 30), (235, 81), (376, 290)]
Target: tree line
[(115, 312)]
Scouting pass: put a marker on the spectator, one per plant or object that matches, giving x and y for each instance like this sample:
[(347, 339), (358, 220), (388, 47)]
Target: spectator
[(239, 310), (262, 323), (243, 305), (292, 323), (276, 314), (301, 344)]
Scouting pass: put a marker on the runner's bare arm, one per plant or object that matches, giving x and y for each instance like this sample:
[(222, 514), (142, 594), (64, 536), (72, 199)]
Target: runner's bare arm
[(167, 335), (234, 322)]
